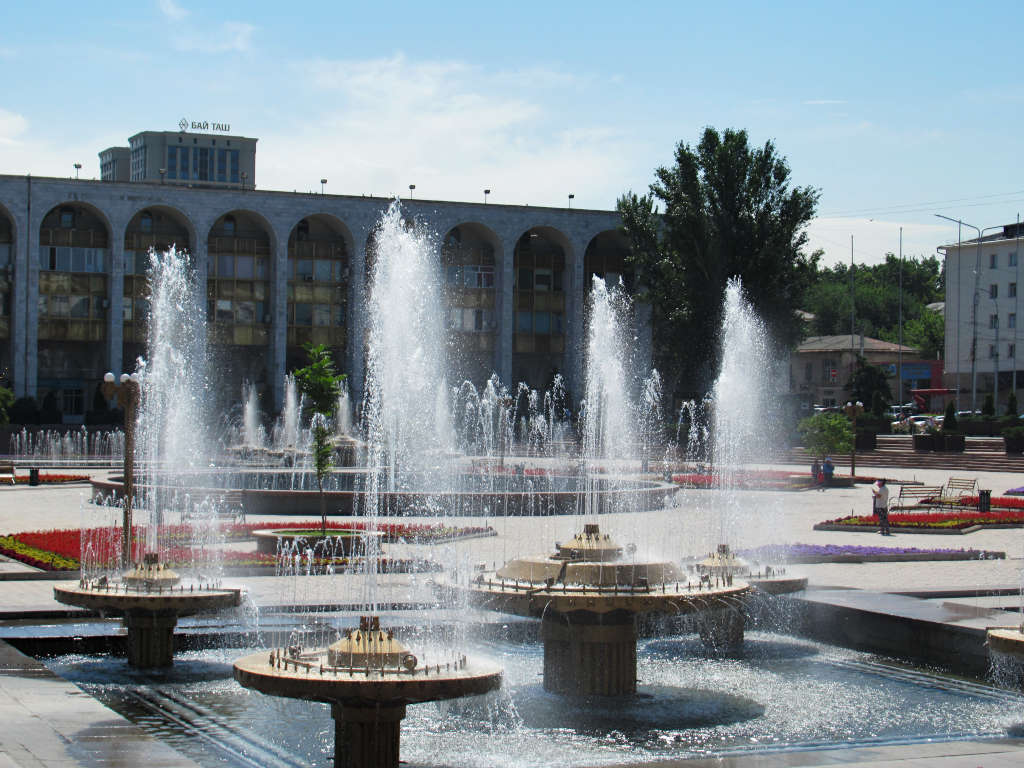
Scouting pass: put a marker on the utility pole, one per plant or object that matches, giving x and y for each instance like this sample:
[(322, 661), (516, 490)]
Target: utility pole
[(899, 352)]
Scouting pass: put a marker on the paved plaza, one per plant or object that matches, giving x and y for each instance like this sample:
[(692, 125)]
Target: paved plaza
[(42, 714)]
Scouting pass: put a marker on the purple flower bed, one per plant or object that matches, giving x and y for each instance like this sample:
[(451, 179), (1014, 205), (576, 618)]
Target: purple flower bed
[(1018, 491), (807, 551)]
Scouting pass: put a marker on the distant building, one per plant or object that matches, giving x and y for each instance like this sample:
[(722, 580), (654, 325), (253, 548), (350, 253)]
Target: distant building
[(981, 310), (821, 366), (191, 159)]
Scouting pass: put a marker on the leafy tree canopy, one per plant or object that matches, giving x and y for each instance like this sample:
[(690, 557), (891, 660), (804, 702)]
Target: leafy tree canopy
[(867, 381), (826, 433), (729, 210), (6, 401), (876, 291)]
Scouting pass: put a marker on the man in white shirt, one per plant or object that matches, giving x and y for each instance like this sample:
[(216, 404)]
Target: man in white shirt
[(880, 505)]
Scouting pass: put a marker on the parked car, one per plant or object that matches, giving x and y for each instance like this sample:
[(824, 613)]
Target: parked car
[(913, 425)]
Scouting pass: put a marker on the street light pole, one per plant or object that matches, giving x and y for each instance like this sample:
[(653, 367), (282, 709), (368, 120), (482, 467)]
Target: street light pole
[(899, 352), (853, 410), (127, 394), (974, 304)]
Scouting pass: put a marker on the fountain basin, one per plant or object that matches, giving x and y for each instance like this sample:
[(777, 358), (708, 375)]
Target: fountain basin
[(340, 541)]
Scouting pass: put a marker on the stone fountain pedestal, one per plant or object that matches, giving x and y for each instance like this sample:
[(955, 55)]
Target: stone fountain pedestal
[(584, 659), (368, 678), (587, 596), (150, 600)]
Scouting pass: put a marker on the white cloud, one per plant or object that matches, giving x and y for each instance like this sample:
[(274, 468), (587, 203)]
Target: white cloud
[(227, 37), (172, 10), (450, 128), (12, 126)]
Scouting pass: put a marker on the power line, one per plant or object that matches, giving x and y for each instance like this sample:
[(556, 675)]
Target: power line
[(927, 205)]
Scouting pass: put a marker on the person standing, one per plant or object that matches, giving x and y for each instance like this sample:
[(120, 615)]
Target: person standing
[(828, 469), (880, 505)]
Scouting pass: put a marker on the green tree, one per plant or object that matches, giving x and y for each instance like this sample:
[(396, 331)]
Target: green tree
[(1011, 404), (927, 333), (867, 381), (949, 420), (826, 433), (988, 408), (6, 401), (319, 383), (729, 210)]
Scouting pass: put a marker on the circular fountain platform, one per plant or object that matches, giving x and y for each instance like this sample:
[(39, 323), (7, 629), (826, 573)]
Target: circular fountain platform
[(150, 610), (368, 678)]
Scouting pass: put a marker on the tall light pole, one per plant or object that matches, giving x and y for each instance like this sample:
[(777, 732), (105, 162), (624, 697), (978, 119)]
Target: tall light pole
[(412, 187), (974, 303), (486, 193), (571, 197), (78, 167), (1016, 302), (323, 183), (127, 393), (899, 352), (853, 410)]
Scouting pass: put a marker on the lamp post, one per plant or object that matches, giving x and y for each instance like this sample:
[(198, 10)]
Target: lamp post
[(78, 167), (244, 177), (323, 183), (853, 410), (127, 393), (974, 304), (486, 193), (163, 172), (571, 197), (412, 188)]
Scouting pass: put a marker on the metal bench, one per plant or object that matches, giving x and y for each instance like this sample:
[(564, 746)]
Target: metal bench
[(227, 505), (961, 486), (914, 495)]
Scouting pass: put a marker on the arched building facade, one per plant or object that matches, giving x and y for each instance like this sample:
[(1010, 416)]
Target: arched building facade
[(274, 271)]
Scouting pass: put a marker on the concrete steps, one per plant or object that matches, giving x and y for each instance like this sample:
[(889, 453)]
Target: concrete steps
[(982, 454)]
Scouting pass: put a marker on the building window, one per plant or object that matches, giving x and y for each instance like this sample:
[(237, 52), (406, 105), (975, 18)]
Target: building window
[(993, 321), (1011, 320), (993, 260), (991, 351), (1011, 290), (72, 401), (228, 228), (829, 370), (67, 218), (993, 290), (146, 223), (1011, 351), (172, 162), (1011, 260)]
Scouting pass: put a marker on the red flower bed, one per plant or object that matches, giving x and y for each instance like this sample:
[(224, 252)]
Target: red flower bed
[(60, 549), (52, 478), (936, 519)]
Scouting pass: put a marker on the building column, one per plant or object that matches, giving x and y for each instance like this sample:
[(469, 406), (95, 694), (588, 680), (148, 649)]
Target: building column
[(200, 262), (278, 316), (115, 303), (506, 315), (19, 290), (575, 294), (32, 307), (356, 322)]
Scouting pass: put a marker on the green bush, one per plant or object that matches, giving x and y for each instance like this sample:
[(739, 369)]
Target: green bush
[(989, 407), (1013, 433), (1011, 404), (826, 433), (949, 422)]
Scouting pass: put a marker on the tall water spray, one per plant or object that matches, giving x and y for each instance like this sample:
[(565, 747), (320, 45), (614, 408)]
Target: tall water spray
[(405, 421), (173, 413), (742, 410), (253, 435), (288, 430)]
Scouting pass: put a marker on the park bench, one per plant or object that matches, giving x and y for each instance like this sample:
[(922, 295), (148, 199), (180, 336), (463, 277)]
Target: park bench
[(913, 495), (7, 472), (227, 505), (961, 486)]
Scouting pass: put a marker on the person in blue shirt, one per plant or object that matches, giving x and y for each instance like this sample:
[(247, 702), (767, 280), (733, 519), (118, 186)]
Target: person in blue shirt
[(828, 469)]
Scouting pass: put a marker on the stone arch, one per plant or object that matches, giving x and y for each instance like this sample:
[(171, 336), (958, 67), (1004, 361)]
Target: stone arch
[(606, 256), (320, 249), (541, 305), (241, 248), (471, 259), (74, 262), (156, 227)]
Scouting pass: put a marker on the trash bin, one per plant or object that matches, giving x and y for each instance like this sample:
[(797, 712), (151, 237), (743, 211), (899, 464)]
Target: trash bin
[(984, 501), (33, 476)]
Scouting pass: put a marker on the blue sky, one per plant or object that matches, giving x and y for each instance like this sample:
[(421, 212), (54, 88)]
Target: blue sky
[(894, 111)]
